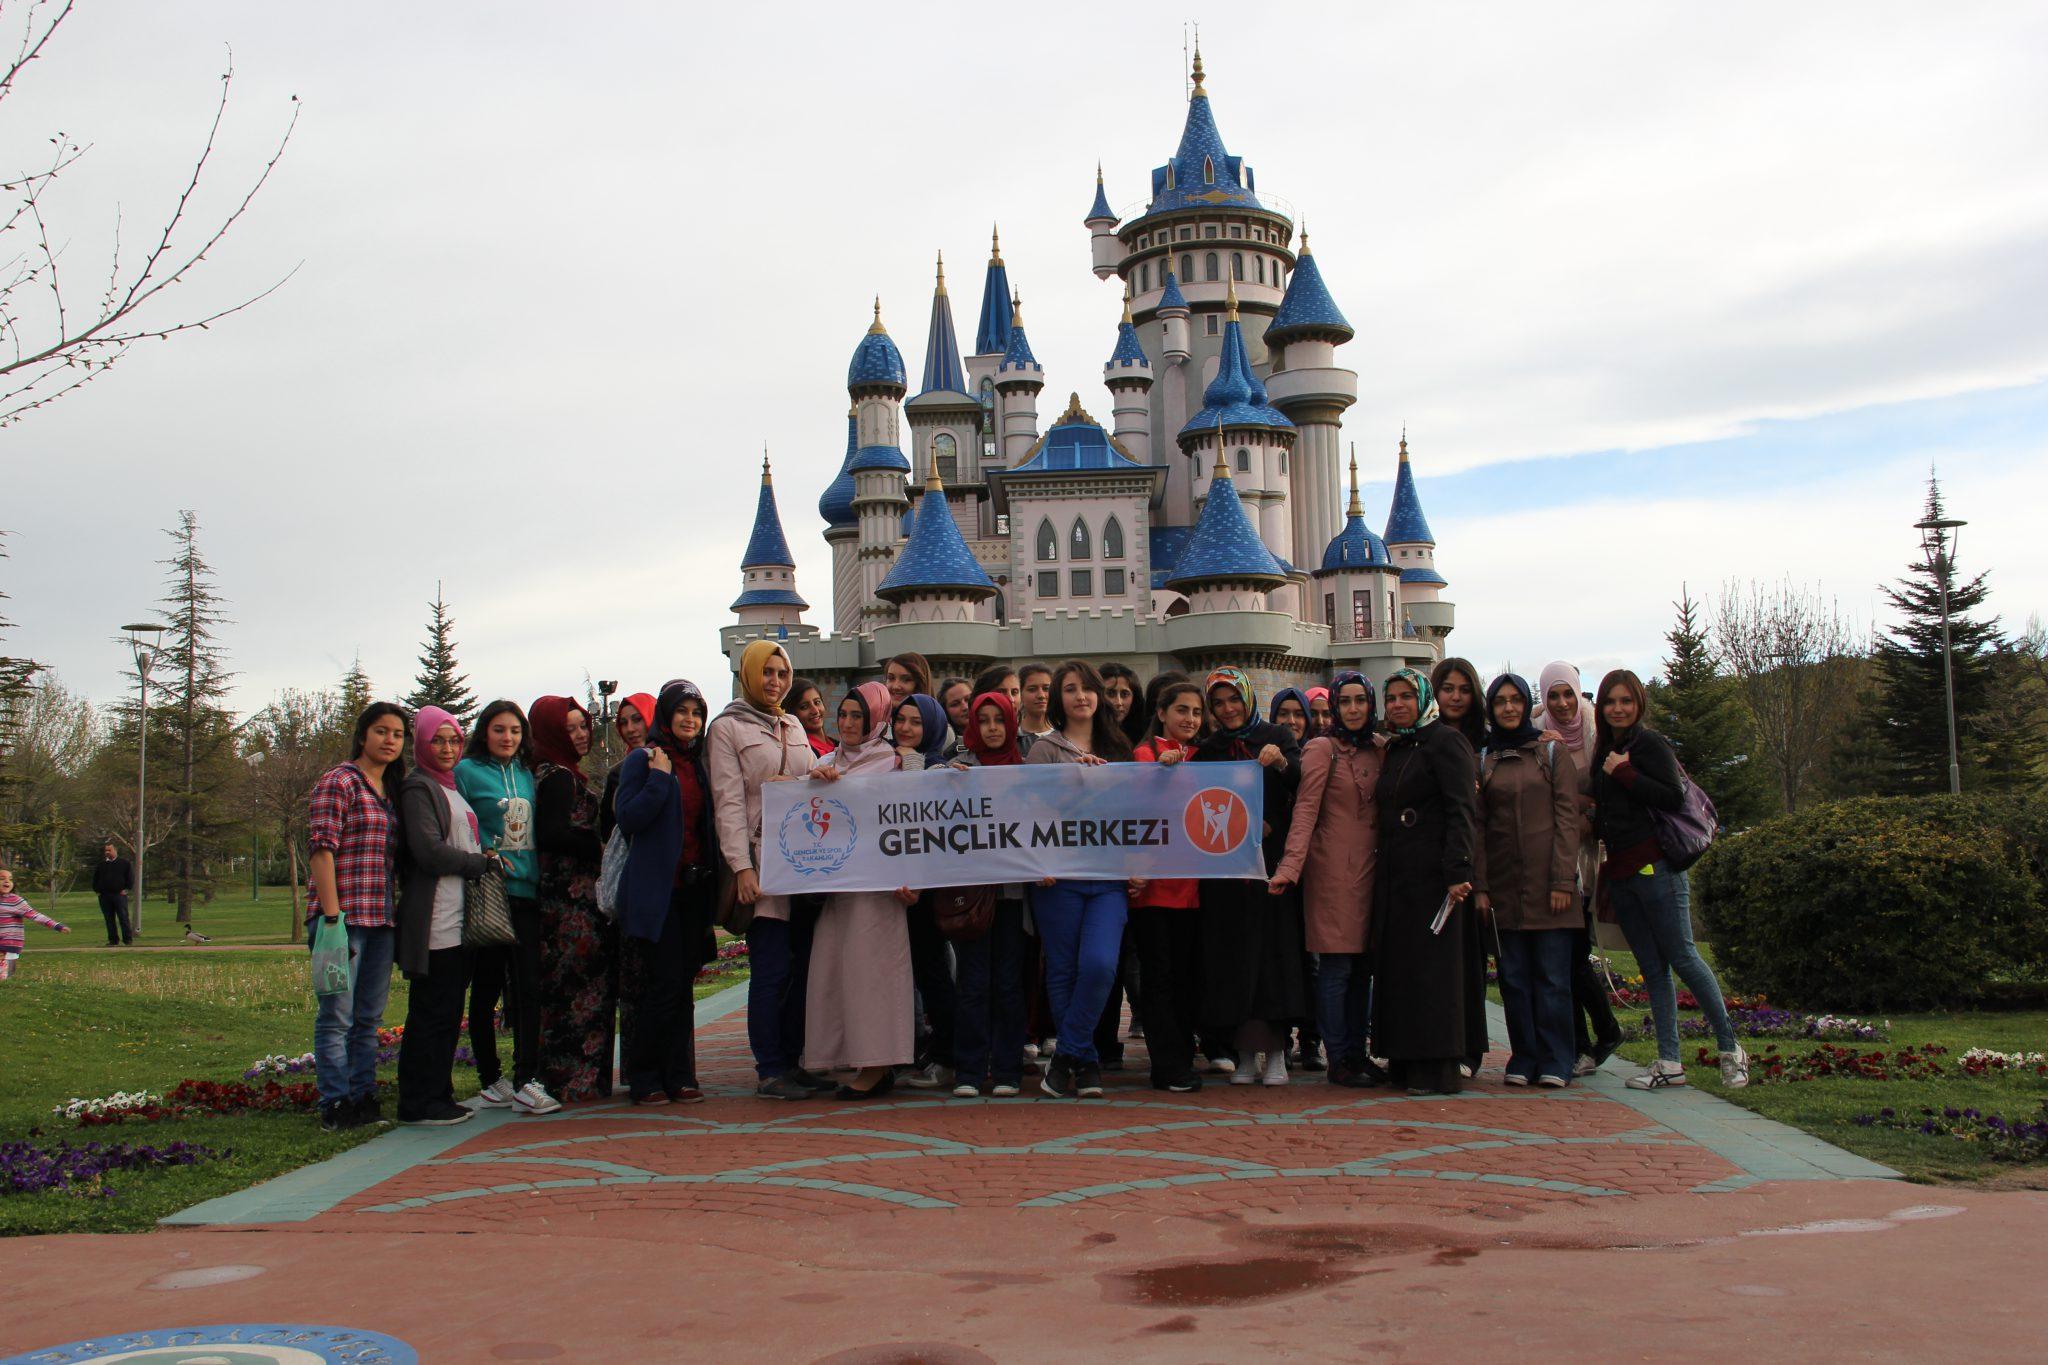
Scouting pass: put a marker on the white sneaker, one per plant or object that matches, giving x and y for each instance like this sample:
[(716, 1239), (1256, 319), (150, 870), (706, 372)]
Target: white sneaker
[(1276, 1068), (1549, 1082), (533, 1098), (1223, 1066), (1465, 1071), (1662, 1075), (1514, 1078), (965, 1091), (496, 1095), (1585, 1066), (1245, 1070), (930, 1076), (1030, 1052), (1004, 1092), (1735, 1069)]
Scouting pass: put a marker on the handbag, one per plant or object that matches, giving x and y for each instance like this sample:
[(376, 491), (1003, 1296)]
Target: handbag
[(1686, 833), (964, 914), (487, 911), (611, 873)]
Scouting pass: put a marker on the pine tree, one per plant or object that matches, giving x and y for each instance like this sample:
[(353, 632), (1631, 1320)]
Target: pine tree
[(354, 694), (1699, 708), (1910, 681), (440, 681), (197, 729)]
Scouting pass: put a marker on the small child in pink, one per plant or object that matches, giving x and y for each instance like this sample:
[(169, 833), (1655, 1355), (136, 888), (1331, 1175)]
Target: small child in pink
[(13, 911)]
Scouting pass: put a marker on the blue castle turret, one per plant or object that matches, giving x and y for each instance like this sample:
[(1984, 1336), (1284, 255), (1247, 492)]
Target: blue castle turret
[(1224, 561), (1408, 535), (935, 577), (992, 336), (768, 595)]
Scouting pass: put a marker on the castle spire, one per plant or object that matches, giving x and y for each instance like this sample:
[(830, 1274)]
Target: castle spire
[(1357, 508), (992, 334), (1199, 92), (942, 365), (876, 328), (1405, 523)]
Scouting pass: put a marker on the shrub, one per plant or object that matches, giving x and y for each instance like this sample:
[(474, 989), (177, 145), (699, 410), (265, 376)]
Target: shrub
[(1881, 903)]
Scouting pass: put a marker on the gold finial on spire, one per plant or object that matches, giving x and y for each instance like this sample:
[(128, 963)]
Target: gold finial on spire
[(766, 479), (941, 290), (1199, 92), (1404, 443), (1230, 297), (1016, 310), (1304, 237), (1127, 305), (1098, 174), (1357, 508), (876, 326), (995, 245), (933, 483)]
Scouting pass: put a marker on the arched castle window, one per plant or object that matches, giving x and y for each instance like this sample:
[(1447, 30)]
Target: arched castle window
[(1244, 460), (1259, 264), (1211, 267), (1048, 541), (1113, 539), (1187, 269), (1237, 265), (1208, 170), (1078, 541), (946, 455), (1144, 278)]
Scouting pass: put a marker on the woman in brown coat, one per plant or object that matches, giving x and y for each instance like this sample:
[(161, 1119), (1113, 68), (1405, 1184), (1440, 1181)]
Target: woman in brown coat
[(1332, 844), (1526, 879)]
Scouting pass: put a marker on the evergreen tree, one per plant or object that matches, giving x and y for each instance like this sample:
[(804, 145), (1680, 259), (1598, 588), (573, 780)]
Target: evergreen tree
[(1910, 679), (196, 728), (441, 682), (355, 695), (1699, 708)]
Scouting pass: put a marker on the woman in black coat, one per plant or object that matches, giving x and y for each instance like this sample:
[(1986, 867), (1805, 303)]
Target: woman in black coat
[(1254, 989), (1428, 807), (1461, 709)]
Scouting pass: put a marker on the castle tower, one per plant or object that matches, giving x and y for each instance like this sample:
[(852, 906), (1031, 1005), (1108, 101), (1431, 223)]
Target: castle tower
[(1357, 589), (935, 577), (875, 382), (1018, 380), (1225, 567), (768, 594), (1239, 428), (842, 533), (1101, 225), (945, 420), (1408, 538), (1128, 377), (1308, 386)]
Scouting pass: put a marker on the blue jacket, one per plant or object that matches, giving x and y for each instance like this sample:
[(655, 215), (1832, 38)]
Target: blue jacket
[(650, 811)]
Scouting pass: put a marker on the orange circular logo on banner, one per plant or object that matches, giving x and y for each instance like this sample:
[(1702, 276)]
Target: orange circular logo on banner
[(1216, 820)]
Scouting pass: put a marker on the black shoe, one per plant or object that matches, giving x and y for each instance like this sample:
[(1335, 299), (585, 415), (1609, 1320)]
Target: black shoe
[(438, 1114), (1185, 1084), (1088, 1080), (1058, 1080), (1111, 1063), (810, 1080), (337, 1116), (1312, 1055), (784, 1087), (369, 1113), (873, 1092), (1356, 1080)]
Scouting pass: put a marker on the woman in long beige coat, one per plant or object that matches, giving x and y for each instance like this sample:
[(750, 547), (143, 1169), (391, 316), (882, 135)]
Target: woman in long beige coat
[(1525, 876), (1331, 846)]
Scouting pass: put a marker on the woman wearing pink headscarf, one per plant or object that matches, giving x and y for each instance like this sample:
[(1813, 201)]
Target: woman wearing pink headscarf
[(858, 1011), (439, 854), (1567, 718)]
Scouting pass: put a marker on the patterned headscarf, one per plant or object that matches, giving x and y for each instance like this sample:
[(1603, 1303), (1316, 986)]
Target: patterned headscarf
[(1233, 677), (1425, 700), (1496, 738), (1362, 737)]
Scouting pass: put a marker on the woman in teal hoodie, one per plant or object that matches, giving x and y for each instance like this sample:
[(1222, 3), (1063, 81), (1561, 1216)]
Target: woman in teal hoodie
[(496, 778)]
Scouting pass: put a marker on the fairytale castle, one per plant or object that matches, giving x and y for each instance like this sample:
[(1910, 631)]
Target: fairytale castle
[(1203, 526)]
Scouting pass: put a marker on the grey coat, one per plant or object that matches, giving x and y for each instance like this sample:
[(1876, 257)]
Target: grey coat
[(425, 856)]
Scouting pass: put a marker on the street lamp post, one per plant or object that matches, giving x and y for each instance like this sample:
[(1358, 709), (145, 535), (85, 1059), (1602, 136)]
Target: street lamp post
[(1938, 537), (142, 643)]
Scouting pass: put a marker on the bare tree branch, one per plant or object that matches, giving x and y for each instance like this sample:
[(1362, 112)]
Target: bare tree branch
[(1795, 657)]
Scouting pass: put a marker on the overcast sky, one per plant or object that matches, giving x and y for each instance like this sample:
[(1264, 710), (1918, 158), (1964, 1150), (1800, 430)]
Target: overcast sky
[(1663, 293)]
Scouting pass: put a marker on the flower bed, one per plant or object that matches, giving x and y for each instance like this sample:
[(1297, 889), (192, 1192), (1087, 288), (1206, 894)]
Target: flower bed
[(732, 955), (1768, 1021), (190, 1097), (1832, 1061), (1999, 1138), (81, 1169)]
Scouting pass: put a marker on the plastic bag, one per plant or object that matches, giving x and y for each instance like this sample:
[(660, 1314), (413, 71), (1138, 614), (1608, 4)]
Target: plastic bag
[(331, 974), (611, 873)]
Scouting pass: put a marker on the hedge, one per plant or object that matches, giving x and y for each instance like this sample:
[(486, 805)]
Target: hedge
[(1882, 902)]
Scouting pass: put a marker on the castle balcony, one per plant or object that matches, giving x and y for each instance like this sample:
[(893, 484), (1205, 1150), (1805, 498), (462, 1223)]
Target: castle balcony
[(1318, 385)]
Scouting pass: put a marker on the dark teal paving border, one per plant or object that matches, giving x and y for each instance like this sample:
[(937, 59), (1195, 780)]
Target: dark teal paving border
[(312, 1190)]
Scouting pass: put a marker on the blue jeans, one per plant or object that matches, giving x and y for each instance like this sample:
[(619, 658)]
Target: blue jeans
[(1081, 925), (779, 963), (1536, 996), (988, 1031), (345, 1025), (1342, 985), (1655, 912)]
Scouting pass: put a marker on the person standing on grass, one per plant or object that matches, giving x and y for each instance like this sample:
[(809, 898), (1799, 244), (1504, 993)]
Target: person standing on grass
[(1637, 772), (988, 1022), (441, 854), (1166, 921), (755, 742), (579, 970), (113, 877), (1461, 710), (1332, 852), (352, 829), (14, 911), (1568, 719), (496, 778), (1525, 879), (667, 897)]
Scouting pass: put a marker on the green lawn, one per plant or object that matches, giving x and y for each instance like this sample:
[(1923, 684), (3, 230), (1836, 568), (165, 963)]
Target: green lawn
[(87, 1024), (231, 918)]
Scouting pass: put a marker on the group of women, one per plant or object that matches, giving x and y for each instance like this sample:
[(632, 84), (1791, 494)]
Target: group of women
[(1410, 837)]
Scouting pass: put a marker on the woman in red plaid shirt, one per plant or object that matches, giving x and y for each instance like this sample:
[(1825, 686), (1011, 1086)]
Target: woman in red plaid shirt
[(353, 832)]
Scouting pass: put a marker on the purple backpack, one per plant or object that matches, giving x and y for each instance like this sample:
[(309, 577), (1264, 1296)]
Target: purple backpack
[(1685, 834)]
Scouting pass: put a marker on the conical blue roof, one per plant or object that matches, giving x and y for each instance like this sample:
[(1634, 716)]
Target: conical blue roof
[(992, 336), (767, 545), (1224, 544), (942, 372), (1017, 356), (1235, 397), (876, 361), (935, 556), (1100, 209), (1308, 309), (1203, 172), (835, 504), (1128, 352), (1170, 296), (1405, 522)]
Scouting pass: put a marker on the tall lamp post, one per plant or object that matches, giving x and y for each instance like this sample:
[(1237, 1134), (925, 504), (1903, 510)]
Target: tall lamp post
[(1938, 537), (142, 643)]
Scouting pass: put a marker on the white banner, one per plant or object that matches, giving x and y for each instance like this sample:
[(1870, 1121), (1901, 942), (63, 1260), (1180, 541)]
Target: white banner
[(964, 827)]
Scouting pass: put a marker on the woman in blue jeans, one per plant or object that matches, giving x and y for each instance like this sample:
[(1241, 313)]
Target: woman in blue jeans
[(1081, 923), (1635, 772)]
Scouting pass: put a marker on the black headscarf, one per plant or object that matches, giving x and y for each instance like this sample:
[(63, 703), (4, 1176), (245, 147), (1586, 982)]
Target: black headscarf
[(1361, 738), (1497, 738), (673, 695)]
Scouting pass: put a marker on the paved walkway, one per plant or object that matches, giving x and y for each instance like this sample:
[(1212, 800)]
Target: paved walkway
[(1306, 1221)]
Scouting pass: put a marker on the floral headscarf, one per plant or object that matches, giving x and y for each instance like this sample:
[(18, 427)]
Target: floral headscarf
[(1360, 738), (1425, 700), (1233, 677)]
